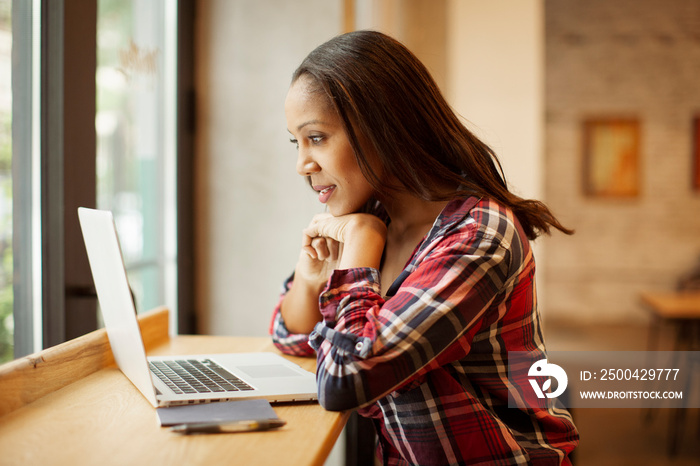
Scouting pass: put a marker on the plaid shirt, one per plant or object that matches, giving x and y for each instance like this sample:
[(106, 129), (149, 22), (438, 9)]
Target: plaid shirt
[(428, 362)]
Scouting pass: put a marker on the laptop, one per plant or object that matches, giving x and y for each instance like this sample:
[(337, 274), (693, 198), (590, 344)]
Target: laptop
[(178, 380)]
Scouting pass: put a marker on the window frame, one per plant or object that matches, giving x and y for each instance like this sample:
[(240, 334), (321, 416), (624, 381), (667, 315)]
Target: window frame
[(68, 148), (68, 58), (23, 159)]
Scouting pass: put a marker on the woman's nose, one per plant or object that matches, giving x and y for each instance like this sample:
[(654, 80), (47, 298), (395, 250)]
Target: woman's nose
[(306, 165)]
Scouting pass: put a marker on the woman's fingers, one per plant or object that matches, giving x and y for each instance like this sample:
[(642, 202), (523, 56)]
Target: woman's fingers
[(327, 226), (320, 245), (309, 251), (322, 249), (334, 248)]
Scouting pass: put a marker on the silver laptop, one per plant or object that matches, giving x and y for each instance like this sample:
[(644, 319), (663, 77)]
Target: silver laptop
[(178, 380)]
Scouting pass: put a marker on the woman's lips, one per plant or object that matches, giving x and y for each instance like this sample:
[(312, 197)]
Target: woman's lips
[(324, 192)]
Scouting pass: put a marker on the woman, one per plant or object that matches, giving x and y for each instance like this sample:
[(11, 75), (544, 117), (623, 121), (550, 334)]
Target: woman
[(418, 281)]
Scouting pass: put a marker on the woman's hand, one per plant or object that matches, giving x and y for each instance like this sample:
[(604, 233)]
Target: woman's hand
[(329, 243), (318, 258), (354, 240)]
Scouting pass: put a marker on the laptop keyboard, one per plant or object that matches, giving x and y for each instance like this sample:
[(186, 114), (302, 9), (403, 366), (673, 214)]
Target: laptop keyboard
[(196, 376)]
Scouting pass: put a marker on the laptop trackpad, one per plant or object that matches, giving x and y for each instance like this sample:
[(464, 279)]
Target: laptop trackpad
[(269, 370)]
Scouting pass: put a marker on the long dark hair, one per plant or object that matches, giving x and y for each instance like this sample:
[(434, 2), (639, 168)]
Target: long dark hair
[(385, 94)]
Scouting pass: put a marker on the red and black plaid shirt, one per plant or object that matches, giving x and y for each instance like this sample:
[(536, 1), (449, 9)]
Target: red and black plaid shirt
[(428, 362)]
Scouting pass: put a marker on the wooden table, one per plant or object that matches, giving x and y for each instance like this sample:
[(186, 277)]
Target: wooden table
[(71, 405), (681, 310)]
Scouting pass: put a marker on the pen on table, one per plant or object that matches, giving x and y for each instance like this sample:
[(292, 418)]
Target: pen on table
[(225, 427)]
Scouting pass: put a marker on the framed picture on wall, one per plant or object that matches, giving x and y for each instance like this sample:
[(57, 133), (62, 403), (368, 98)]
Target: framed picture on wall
[(611, 165), (696, 154)]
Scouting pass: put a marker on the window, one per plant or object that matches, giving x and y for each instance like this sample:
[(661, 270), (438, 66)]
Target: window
[(136, 140), (6, 267), (100, 101)]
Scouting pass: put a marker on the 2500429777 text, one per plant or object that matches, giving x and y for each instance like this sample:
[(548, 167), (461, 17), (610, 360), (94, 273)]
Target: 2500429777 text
[(631, 374)]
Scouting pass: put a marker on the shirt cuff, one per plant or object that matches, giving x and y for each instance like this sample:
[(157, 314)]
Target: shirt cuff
[(345, 342), (359, 281)]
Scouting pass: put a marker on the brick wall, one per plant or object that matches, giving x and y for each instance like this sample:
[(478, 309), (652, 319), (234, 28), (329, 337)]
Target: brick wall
[(629, 58)]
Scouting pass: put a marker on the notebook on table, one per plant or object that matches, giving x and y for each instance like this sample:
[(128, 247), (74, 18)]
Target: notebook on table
[(178, 380), (224, 412)]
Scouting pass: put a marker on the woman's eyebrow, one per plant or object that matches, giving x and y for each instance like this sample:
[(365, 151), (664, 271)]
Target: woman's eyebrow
[(310, 122)]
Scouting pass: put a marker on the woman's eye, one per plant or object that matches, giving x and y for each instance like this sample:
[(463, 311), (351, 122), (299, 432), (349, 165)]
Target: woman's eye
[(314, 140)]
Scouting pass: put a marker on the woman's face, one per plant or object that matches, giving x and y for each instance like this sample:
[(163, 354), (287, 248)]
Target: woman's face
[(324, 151)]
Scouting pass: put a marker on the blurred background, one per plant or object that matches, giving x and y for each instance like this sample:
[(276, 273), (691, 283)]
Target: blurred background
[(592, 106)]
